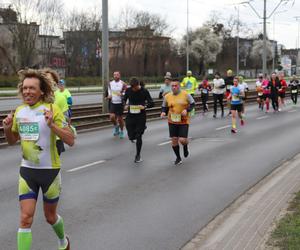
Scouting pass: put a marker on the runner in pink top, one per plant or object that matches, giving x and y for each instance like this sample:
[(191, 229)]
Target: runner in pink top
[(266, 93)]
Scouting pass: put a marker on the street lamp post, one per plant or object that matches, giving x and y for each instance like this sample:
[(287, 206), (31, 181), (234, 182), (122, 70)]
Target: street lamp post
[(238, 43), (187, 37), (298, 42), (105, 62)]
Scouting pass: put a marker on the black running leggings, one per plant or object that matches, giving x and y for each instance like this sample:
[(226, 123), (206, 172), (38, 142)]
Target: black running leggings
[(294, 97), (218, 97)]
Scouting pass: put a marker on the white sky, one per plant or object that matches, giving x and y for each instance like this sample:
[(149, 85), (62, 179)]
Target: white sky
[(285, 31)]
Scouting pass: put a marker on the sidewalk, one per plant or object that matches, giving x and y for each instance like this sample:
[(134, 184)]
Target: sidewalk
[(247, 223)]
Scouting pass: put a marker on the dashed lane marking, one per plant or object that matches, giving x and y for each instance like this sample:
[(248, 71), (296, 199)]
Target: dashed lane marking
[(262, 117), (85, 166), (220, 128)]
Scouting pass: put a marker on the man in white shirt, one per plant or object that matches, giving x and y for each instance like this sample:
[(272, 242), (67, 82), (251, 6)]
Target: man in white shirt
[(116, 90), (218, 93)]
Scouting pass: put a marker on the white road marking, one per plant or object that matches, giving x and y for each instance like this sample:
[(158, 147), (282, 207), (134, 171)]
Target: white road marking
[(168, 142), (164, 143), (292, 111), (220, 128), (85, 166), (262, 117)]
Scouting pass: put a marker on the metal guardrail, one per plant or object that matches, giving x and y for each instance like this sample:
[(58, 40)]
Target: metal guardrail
[(89, 116)]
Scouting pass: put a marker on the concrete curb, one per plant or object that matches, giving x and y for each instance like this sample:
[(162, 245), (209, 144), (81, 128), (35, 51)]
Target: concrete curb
[(246, 223)]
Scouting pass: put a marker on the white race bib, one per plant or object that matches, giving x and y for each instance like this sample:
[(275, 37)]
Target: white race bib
[(29, 131), (235, 98), (134, 109), (176, 117), (260, 93), (294, 91)]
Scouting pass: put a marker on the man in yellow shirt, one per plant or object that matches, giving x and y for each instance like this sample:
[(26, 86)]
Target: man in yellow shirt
[(177, 104), (189, 83)]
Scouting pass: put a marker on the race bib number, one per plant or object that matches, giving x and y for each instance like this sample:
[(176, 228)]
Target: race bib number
[(176, 117), (134, 109), (235, 98), (29, 131), (115, 93), (204, 91), (260, 93), (294, 91)]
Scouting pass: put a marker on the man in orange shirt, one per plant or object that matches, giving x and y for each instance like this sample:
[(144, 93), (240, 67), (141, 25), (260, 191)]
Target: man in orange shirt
[(177, 104)]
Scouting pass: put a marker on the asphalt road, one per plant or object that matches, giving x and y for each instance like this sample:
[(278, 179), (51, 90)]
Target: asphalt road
[(115, 204)]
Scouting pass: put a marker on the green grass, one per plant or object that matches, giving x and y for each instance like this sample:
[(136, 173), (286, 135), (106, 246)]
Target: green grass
[(286, 235)]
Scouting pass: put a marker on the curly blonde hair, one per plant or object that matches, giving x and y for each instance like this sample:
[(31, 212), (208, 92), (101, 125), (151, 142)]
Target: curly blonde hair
[(46, 84), (53, 73)]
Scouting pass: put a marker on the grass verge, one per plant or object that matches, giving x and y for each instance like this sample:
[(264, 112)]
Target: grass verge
[(286, 235)]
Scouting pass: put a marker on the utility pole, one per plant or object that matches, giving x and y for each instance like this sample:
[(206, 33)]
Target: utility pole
[(298, 43), (187, 37), (265, 17), (238, 43), (105, 48), (265, 39)]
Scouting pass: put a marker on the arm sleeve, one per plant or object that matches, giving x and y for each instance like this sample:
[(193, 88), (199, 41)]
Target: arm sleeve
[(164, 106), (191, 102)]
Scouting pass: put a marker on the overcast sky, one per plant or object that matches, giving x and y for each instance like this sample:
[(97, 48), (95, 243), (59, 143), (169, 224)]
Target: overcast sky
[(285, 30)]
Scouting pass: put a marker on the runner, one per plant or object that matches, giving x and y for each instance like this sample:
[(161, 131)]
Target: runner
[(235, 97), (294, 85), (165, 88), (204, 88), (66, 93), (274, 86), (244, 88), (267, 92), (116, 90), (189, 83), (218, 93), (281, 91), (137, 98), (36, 123), (260, 93), (228, 83), (61, 101), (177, 105)]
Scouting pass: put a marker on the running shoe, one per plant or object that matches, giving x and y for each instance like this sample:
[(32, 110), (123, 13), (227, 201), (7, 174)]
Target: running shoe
[(68, 246), (178, 161), (121, 134), (138, 159), (242, 122), (116, 131), (234, 130)]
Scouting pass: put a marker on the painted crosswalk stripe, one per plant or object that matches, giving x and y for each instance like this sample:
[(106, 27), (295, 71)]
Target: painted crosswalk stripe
[(85, 166)]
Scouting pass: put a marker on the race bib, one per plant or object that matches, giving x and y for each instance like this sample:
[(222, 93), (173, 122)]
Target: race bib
[(134, 109), (115, 93), (235, 98), (29, 131), (294, 91), (176, 117), (204, 91), (260, 93)]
